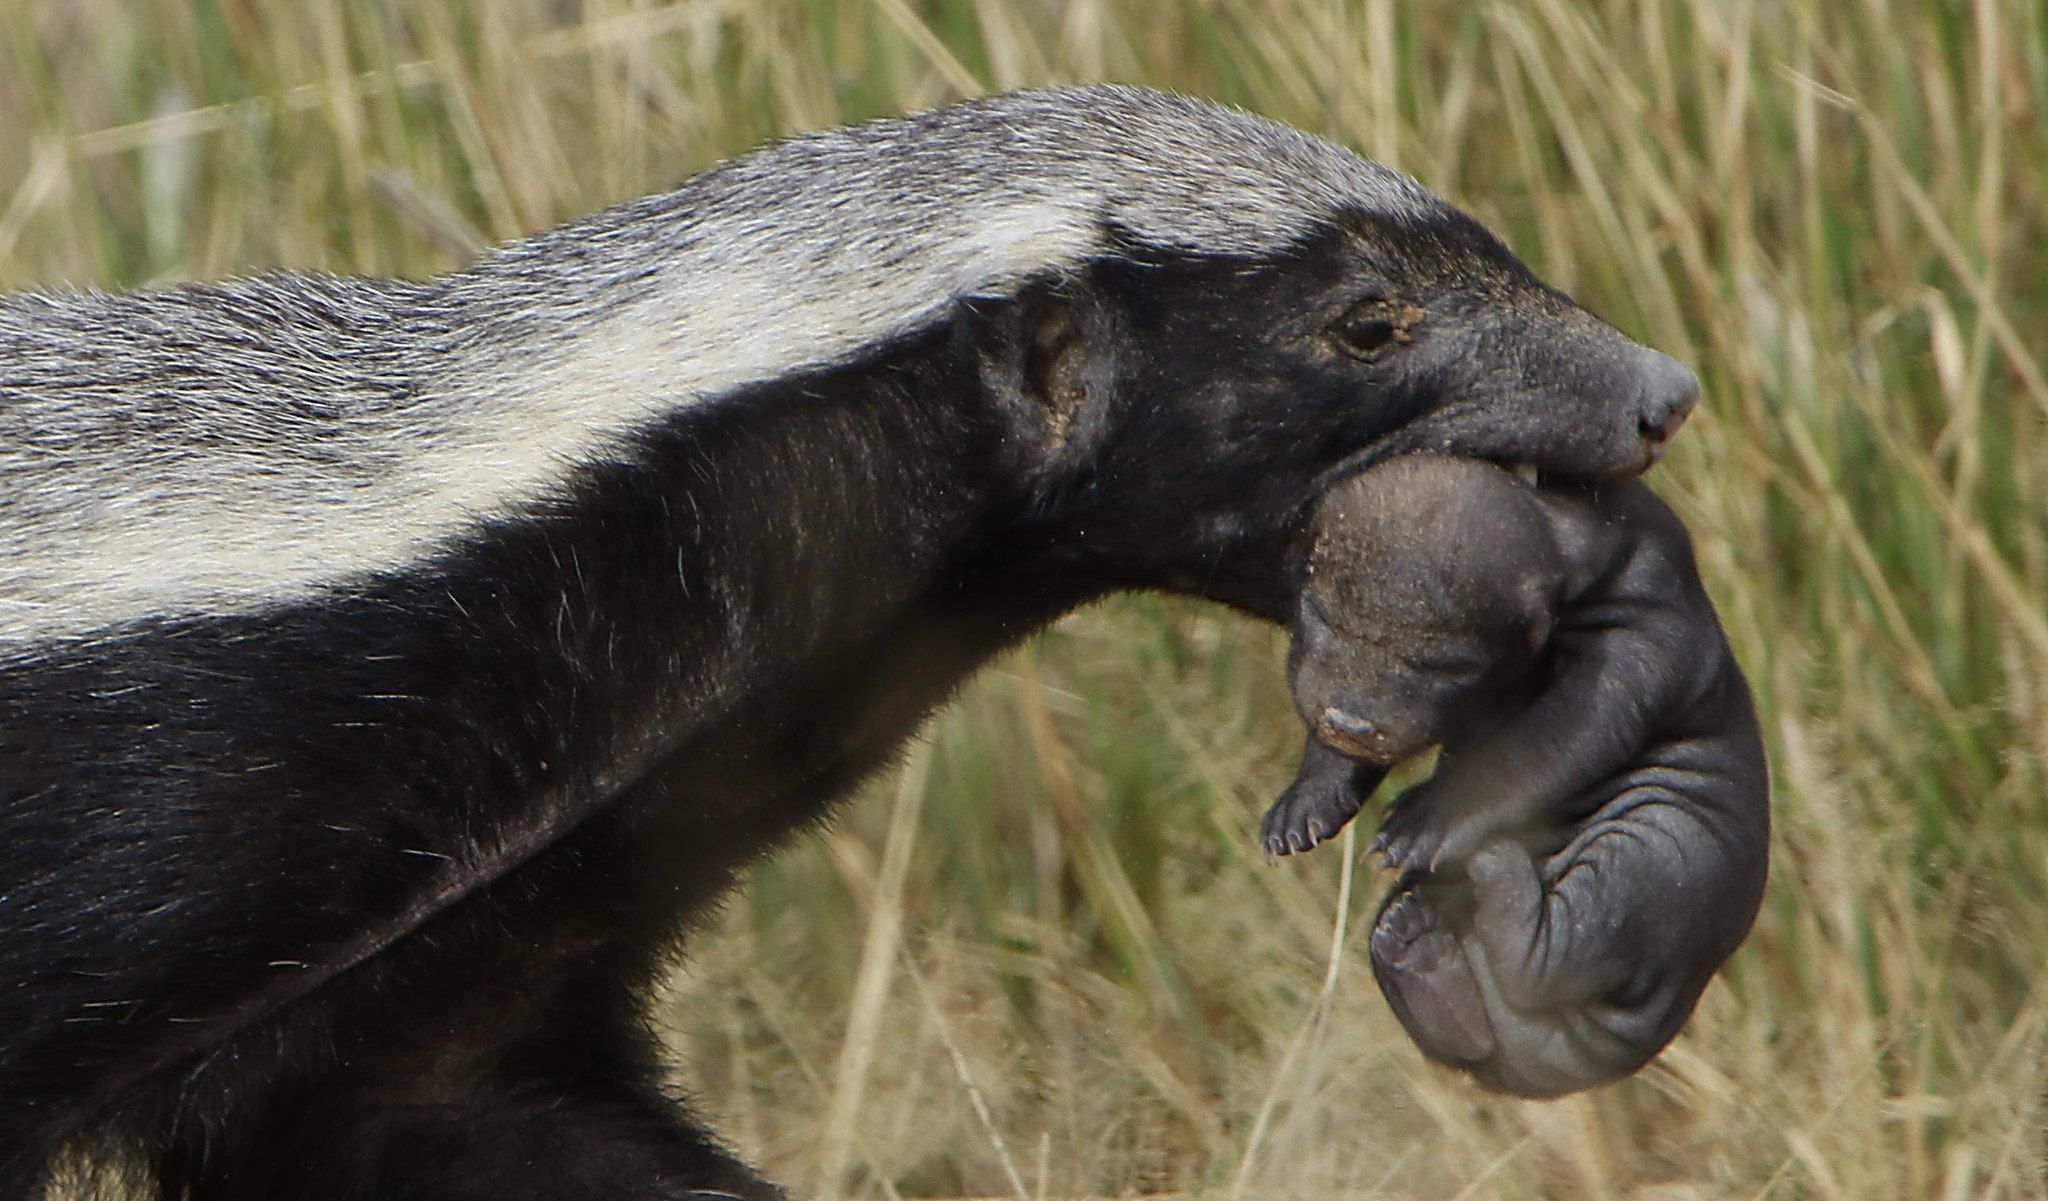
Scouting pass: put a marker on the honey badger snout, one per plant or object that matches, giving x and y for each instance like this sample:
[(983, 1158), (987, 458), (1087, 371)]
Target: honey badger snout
[(1670, 392), (1562, 392)]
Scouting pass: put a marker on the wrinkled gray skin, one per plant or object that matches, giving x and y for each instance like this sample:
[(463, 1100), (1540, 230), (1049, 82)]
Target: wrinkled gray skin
[(1593, 845)]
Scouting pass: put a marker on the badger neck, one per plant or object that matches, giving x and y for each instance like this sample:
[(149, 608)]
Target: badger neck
[(738, 613), (778, 583), (695, 646)]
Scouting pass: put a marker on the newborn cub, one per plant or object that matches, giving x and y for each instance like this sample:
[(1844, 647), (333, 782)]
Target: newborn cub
[(1593, 845)]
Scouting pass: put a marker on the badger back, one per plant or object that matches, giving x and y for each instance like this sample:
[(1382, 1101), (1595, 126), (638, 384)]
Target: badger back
[(222, 448)]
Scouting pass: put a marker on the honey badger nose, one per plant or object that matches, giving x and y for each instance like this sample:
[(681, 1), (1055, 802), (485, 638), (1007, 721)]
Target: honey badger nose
[(1670, 393)]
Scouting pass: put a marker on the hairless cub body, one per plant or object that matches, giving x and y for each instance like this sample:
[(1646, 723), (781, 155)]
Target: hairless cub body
[(1593, 845)]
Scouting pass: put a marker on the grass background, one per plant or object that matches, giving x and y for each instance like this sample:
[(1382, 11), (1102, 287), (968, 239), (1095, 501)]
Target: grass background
[(1044, 960)]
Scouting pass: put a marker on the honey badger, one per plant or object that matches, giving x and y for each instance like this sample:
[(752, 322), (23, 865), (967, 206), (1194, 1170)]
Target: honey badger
[(390, 669)]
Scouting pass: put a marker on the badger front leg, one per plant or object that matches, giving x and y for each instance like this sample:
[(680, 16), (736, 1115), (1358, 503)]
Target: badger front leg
[(521, 1071), (531, 1137), (559, 1120)]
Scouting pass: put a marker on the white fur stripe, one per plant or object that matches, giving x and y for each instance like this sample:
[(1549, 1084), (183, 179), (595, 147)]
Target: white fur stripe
[(234, 446)]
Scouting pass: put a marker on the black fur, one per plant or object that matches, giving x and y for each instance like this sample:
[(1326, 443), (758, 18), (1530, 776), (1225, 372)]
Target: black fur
[(358, 897)]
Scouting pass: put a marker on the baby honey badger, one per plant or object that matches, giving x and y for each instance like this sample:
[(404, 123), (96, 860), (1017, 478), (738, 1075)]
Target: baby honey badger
[(1557, 643)]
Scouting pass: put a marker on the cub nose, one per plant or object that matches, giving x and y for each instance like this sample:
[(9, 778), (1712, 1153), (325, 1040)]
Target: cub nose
[(1670, 393), (1355, 736)]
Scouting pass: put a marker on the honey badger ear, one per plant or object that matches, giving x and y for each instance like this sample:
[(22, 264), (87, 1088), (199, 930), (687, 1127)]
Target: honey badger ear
[(1045, 363)]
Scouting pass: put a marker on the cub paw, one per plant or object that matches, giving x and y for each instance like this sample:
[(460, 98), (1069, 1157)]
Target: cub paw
[(1424, 974), (1424, 831), (1310, 812)]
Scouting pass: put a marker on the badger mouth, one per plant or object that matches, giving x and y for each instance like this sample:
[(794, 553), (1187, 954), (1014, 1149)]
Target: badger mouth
[(1545, 475), (1551, 482), (1538, 477), (1568, 463)]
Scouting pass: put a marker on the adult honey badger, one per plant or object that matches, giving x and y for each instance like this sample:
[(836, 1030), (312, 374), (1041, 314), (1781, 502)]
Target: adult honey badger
[(389, 669)]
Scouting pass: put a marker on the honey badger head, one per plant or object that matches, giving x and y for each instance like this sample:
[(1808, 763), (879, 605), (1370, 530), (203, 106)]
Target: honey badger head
[(1182, 318), (1264, 313)]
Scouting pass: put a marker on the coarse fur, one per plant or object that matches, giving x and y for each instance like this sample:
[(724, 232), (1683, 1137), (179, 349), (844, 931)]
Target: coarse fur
[(412, 409), (389, 670), (1595, 841)]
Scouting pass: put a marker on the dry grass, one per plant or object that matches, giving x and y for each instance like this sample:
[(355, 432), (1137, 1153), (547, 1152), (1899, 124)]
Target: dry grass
[(1046, 962)]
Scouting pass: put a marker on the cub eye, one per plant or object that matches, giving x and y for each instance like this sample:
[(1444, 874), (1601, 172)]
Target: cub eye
[(1369, 328)]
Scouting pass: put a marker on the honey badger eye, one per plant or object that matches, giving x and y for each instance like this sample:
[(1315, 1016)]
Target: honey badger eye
[(1367, 329)]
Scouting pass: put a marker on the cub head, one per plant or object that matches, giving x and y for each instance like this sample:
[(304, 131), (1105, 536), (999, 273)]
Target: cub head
[(1428, 583)]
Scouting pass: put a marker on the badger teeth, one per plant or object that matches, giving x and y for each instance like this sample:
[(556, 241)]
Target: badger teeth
[(1528, 475)]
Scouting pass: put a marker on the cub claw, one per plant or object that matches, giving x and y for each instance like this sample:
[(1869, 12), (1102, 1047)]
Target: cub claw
[(1306, 815)]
